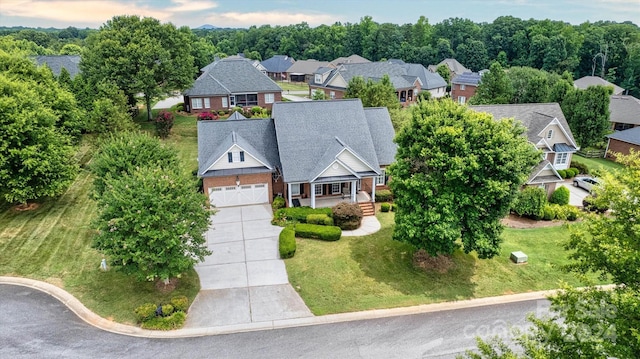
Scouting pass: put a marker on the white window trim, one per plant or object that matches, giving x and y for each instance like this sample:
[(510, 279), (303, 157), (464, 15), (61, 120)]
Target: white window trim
[(550, 133), (225, 102), (332, 95), (295, 189), (316, 187), (196, 103), (561, 158), (462, 100), (236, 156), (462, 86), (269, 98), (333, 188), (207, 102), (317, 78), (381, 180)]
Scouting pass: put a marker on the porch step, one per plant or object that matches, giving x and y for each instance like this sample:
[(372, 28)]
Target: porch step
[(368, 208)]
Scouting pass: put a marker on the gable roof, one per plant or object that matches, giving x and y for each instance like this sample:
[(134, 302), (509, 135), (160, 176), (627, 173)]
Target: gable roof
[(534, 116), (311, 134), (229, 76), (624, 109), (256, 136), (278, 63), (56, 63), (374, 71), (586, 81), (306, 67), (382, 134), (453, 65), (467, 78), (353, 59), (236, 116), (535, 177), (631, 135), (430, 80)]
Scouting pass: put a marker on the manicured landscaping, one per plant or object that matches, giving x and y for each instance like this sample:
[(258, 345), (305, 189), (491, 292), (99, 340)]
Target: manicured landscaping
[(360, 273), (598, 163)]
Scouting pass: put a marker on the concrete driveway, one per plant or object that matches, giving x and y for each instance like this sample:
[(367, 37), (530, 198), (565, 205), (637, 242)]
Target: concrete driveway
[(576, 194), (244, 280)]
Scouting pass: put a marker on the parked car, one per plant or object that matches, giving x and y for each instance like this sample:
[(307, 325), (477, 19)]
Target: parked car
[(586, 183)]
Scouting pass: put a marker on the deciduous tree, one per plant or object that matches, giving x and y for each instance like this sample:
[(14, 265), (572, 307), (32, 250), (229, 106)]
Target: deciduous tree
[(455, 175), (587, 112), (495, 87)]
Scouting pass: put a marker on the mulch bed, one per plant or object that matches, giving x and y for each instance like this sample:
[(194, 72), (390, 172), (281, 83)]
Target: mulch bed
[(513, 221), (441, 264)]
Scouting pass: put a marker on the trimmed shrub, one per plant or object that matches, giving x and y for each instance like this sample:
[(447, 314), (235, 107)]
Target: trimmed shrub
[(207, 116), (164, 123), (316, 231), (574, 171), (529, 202), (560, 211), (180, 303), (385, 207), (581, 167), (562, 173), (278, 202), (347, 215), (221, 113), (287, 243), (560, 196), (173, 321), (256, 110), (167, 309), (384, 195), (589, 203), (145, 312), (322, 219), (572, 213), (548, 213), (298, 214)]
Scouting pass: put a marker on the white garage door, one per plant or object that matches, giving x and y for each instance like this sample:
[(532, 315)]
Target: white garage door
[(239, 195)]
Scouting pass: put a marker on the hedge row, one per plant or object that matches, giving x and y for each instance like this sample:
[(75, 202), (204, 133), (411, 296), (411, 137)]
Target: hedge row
[(568, 173), (322, 219), (299, 214), (315, 231), (287, 242), (556, 211), (384, 195)]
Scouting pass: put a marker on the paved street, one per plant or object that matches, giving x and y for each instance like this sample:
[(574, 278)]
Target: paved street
[(34, 325)]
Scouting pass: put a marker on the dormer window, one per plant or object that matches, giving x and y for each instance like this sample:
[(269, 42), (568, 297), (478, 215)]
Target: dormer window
[(318, 78), (235, 156), (549, 134)]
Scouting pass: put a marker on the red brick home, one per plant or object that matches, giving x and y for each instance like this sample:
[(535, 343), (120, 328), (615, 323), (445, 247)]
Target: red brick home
[(311, 153), (464, 86), (231, 82), (623, 142)]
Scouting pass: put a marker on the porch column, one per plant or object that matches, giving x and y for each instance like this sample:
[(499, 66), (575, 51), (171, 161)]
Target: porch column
[(313, 195), (354, 191), (373, 190), (289, 195)]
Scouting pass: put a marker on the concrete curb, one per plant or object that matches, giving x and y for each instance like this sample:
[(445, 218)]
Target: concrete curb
[(101, 323)]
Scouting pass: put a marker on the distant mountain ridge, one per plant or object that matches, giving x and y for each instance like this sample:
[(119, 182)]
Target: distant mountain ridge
[(206, 27)]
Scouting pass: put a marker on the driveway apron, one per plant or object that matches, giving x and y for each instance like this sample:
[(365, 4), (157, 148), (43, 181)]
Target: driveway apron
[(244, 280)]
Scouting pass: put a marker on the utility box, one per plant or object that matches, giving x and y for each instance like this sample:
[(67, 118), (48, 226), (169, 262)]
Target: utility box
[(519, 257)]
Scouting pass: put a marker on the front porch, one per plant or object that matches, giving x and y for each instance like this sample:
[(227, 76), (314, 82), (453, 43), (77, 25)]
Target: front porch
[(330, 201)]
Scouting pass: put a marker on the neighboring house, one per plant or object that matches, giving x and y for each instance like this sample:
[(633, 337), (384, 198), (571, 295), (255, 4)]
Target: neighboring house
[(623, 141), (431, 81), (624, 112), (353, 59), (584, 82), (277, 66), (334, 82), (548, 131), (455, 68), (302, 70), (58, 62), (231, 82), (464, 86), (310, 152)]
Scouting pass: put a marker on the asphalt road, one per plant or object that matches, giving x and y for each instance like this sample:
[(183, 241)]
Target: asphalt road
[(35, 325)]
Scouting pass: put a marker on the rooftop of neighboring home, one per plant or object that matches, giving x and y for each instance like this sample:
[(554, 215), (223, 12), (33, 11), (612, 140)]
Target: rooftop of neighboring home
[(304, 67), (370, 70), (631, 135), (56, 63), (453, 65), (278, 63), (229, 76), (534, 116), (430, 80), (584, 82), (624, 109), (353, 59), (467, 78)]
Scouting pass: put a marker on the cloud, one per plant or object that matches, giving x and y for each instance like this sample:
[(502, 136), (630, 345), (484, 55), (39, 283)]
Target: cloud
[(273, 17), (189, 6)]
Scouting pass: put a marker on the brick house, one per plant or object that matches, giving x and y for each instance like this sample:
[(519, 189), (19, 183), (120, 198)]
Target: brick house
[(623, 142), (548, 131), (309, 152), (624, 112), (464, 86), (231, 82)]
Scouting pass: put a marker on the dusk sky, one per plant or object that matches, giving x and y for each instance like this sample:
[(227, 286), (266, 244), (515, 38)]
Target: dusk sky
[(244, 13)]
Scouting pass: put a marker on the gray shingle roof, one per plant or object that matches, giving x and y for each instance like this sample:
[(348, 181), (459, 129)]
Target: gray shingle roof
[(236, 116), (534, 116), (278, 63), (353, 59), (57, 63), (584, 82), (453, 65), (624, 109), (631, 135), (375, 71), (306, 67), (309, 133), (535, 178), (430, 80), (382, 134), (257, 137), (228, 76), (467, 78)]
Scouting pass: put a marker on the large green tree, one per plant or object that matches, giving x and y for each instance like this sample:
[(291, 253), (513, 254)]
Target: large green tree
[(455, 175), (151, 223), (36, 158), (140, 55), (495, 87), (373, 93), (587, 112)]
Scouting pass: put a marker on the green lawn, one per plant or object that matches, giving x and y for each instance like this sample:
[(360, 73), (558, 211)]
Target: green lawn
[(360, 273), (293, 86), (53, 243), (598, 163)]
